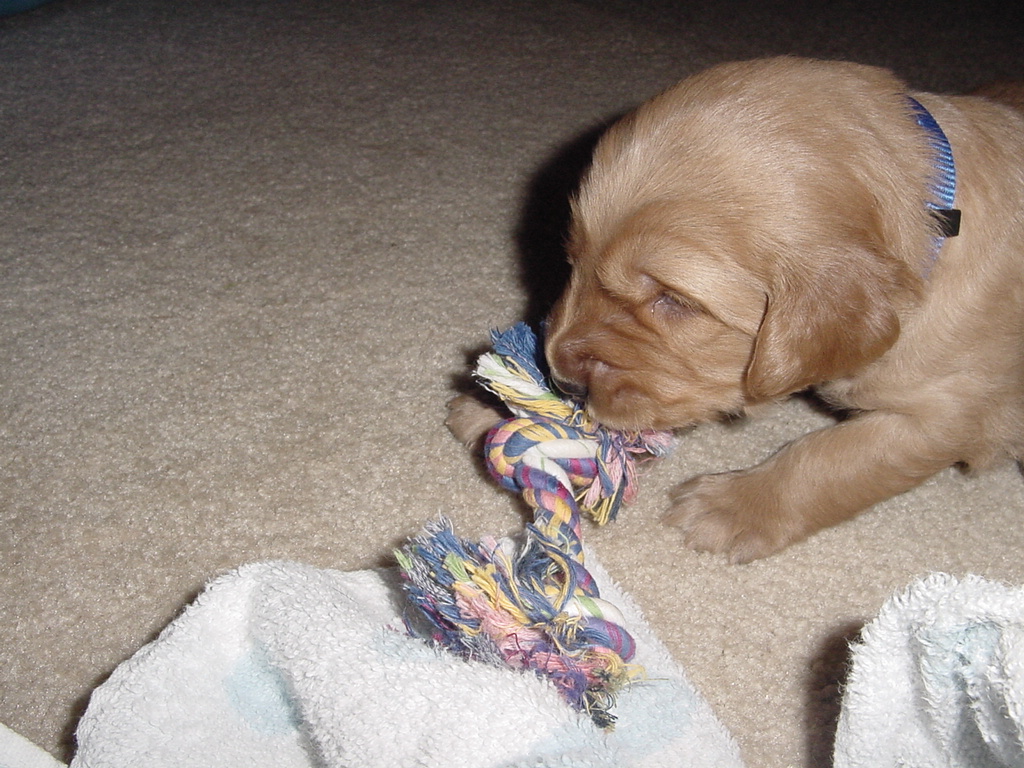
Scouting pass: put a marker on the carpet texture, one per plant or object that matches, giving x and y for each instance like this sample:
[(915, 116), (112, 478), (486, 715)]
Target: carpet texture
[(246, 251)]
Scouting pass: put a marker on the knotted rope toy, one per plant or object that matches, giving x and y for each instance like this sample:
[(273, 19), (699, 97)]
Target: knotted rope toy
[(533, 605)]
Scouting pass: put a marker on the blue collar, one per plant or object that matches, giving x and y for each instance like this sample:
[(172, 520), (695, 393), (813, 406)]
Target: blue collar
[(944, 183)]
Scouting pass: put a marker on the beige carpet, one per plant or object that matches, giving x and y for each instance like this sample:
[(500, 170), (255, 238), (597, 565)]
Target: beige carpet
[(246, 249)]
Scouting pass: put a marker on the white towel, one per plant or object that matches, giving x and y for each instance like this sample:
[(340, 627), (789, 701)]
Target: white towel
[(18, 752), (286, 665), (938, 680)]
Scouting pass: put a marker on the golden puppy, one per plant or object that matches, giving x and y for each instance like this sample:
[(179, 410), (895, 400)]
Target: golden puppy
[(774, 225)]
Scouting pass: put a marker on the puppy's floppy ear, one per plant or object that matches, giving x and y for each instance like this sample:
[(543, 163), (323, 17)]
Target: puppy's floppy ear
[(820, 325)]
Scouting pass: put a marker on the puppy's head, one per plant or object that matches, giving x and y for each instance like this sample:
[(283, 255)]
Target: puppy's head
[(726, 251)]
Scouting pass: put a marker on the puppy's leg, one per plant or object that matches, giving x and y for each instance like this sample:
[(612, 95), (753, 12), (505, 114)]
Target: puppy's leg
[(819, 480), (469, 420)]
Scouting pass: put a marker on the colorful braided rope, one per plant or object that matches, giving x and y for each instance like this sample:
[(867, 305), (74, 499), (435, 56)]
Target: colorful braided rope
[(533, 605)]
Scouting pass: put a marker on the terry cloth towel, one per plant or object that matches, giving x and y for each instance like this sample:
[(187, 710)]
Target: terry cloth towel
[(938, 680), (286, 665), (18, 752)]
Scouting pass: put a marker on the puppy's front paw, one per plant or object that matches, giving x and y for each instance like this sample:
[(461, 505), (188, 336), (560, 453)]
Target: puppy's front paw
[(469, 420), (730, 514)]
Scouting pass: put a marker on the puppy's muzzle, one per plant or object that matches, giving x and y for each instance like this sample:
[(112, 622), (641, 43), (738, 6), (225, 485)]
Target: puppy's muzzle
[(572, 388)]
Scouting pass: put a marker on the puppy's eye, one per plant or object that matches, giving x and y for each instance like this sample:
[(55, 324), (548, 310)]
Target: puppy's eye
[(676, 305)]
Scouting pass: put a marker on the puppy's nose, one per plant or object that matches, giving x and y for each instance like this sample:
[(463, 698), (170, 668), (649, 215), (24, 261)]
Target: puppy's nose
[(570, 368), (572, 388)]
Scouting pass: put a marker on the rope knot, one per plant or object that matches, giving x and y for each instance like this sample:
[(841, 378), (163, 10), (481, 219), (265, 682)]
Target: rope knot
[(536, 606)]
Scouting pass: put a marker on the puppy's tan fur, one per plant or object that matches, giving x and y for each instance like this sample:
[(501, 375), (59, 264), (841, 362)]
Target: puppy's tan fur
[(762, 228)]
